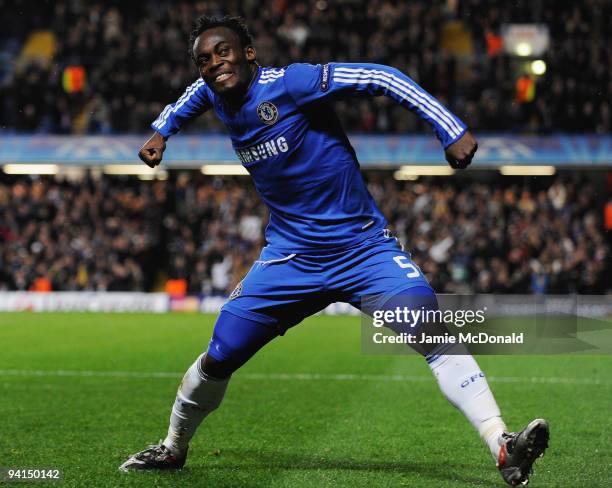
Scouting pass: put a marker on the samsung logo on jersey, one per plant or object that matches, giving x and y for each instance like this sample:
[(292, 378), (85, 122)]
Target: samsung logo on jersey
[(264, 150)]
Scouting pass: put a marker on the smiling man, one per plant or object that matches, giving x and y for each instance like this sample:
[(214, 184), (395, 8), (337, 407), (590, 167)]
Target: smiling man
[(326, 239)]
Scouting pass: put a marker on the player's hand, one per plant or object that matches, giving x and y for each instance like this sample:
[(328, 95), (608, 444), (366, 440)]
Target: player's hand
[(460, 153), (152, 151)]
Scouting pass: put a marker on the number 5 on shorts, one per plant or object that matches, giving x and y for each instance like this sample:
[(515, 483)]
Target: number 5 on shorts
[(404, 263)]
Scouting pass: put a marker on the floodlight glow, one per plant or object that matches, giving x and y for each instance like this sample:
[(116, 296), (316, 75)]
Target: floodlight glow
[(523, 49), (30, 169), (538, 67), (517, 170), (129, 169), (425, 171), (160, 175), (398, 175), (224, 169)]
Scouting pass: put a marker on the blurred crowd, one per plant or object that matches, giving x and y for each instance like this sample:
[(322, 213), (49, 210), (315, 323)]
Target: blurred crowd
[(494, 238), (111, 233), (134, 56)]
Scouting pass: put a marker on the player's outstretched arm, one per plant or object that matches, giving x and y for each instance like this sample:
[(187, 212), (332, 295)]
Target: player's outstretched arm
[(460, 153), (152, 151), (192, 103), (308, 83)]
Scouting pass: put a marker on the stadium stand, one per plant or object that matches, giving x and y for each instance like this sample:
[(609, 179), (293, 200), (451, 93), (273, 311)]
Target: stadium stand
[(125, 234), (71, 67), (110, 67)]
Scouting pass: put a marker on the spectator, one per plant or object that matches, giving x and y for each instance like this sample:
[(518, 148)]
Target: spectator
[(127, 234), (135, 59)]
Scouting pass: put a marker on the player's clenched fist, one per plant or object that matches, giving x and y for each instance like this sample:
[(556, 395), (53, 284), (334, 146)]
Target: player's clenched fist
[(152, 151), (460, 153)]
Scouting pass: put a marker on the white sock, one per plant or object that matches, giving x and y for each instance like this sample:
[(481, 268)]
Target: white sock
[(197, 396), (464, 385)]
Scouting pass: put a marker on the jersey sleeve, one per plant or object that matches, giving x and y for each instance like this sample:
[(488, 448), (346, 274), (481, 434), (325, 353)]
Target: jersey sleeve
[(194, 102), (307, 83)]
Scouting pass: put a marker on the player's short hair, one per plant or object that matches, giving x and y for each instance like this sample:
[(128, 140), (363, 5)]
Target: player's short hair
[(206, 22)]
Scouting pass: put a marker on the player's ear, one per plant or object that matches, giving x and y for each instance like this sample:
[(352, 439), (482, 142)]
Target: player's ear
[(251, 55)]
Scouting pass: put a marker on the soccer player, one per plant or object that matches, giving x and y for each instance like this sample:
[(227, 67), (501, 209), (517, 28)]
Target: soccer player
[(326, 239)]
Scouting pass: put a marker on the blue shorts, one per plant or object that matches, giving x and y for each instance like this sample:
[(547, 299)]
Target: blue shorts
[(281, 288)]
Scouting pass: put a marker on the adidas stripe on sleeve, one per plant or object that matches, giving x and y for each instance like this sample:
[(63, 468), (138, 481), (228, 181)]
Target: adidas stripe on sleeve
[(193, 102), (307, 83)]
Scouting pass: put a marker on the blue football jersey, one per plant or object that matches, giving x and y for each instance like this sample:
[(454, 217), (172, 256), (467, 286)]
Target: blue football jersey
[(287, 135)]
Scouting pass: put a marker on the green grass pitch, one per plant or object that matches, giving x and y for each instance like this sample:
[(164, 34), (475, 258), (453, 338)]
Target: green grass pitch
[(80, 392)]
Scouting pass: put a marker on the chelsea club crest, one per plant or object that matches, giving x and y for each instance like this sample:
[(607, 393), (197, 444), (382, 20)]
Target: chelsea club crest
[(267, 112)]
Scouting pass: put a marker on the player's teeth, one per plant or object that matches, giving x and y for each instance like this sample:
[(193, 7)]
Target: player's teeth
[(223, 77)]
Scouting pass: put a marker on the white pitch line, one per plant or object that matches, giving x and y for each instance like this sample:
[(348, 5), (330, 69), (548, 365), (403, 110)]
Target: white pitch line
[(564, 380), (89, 374)]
